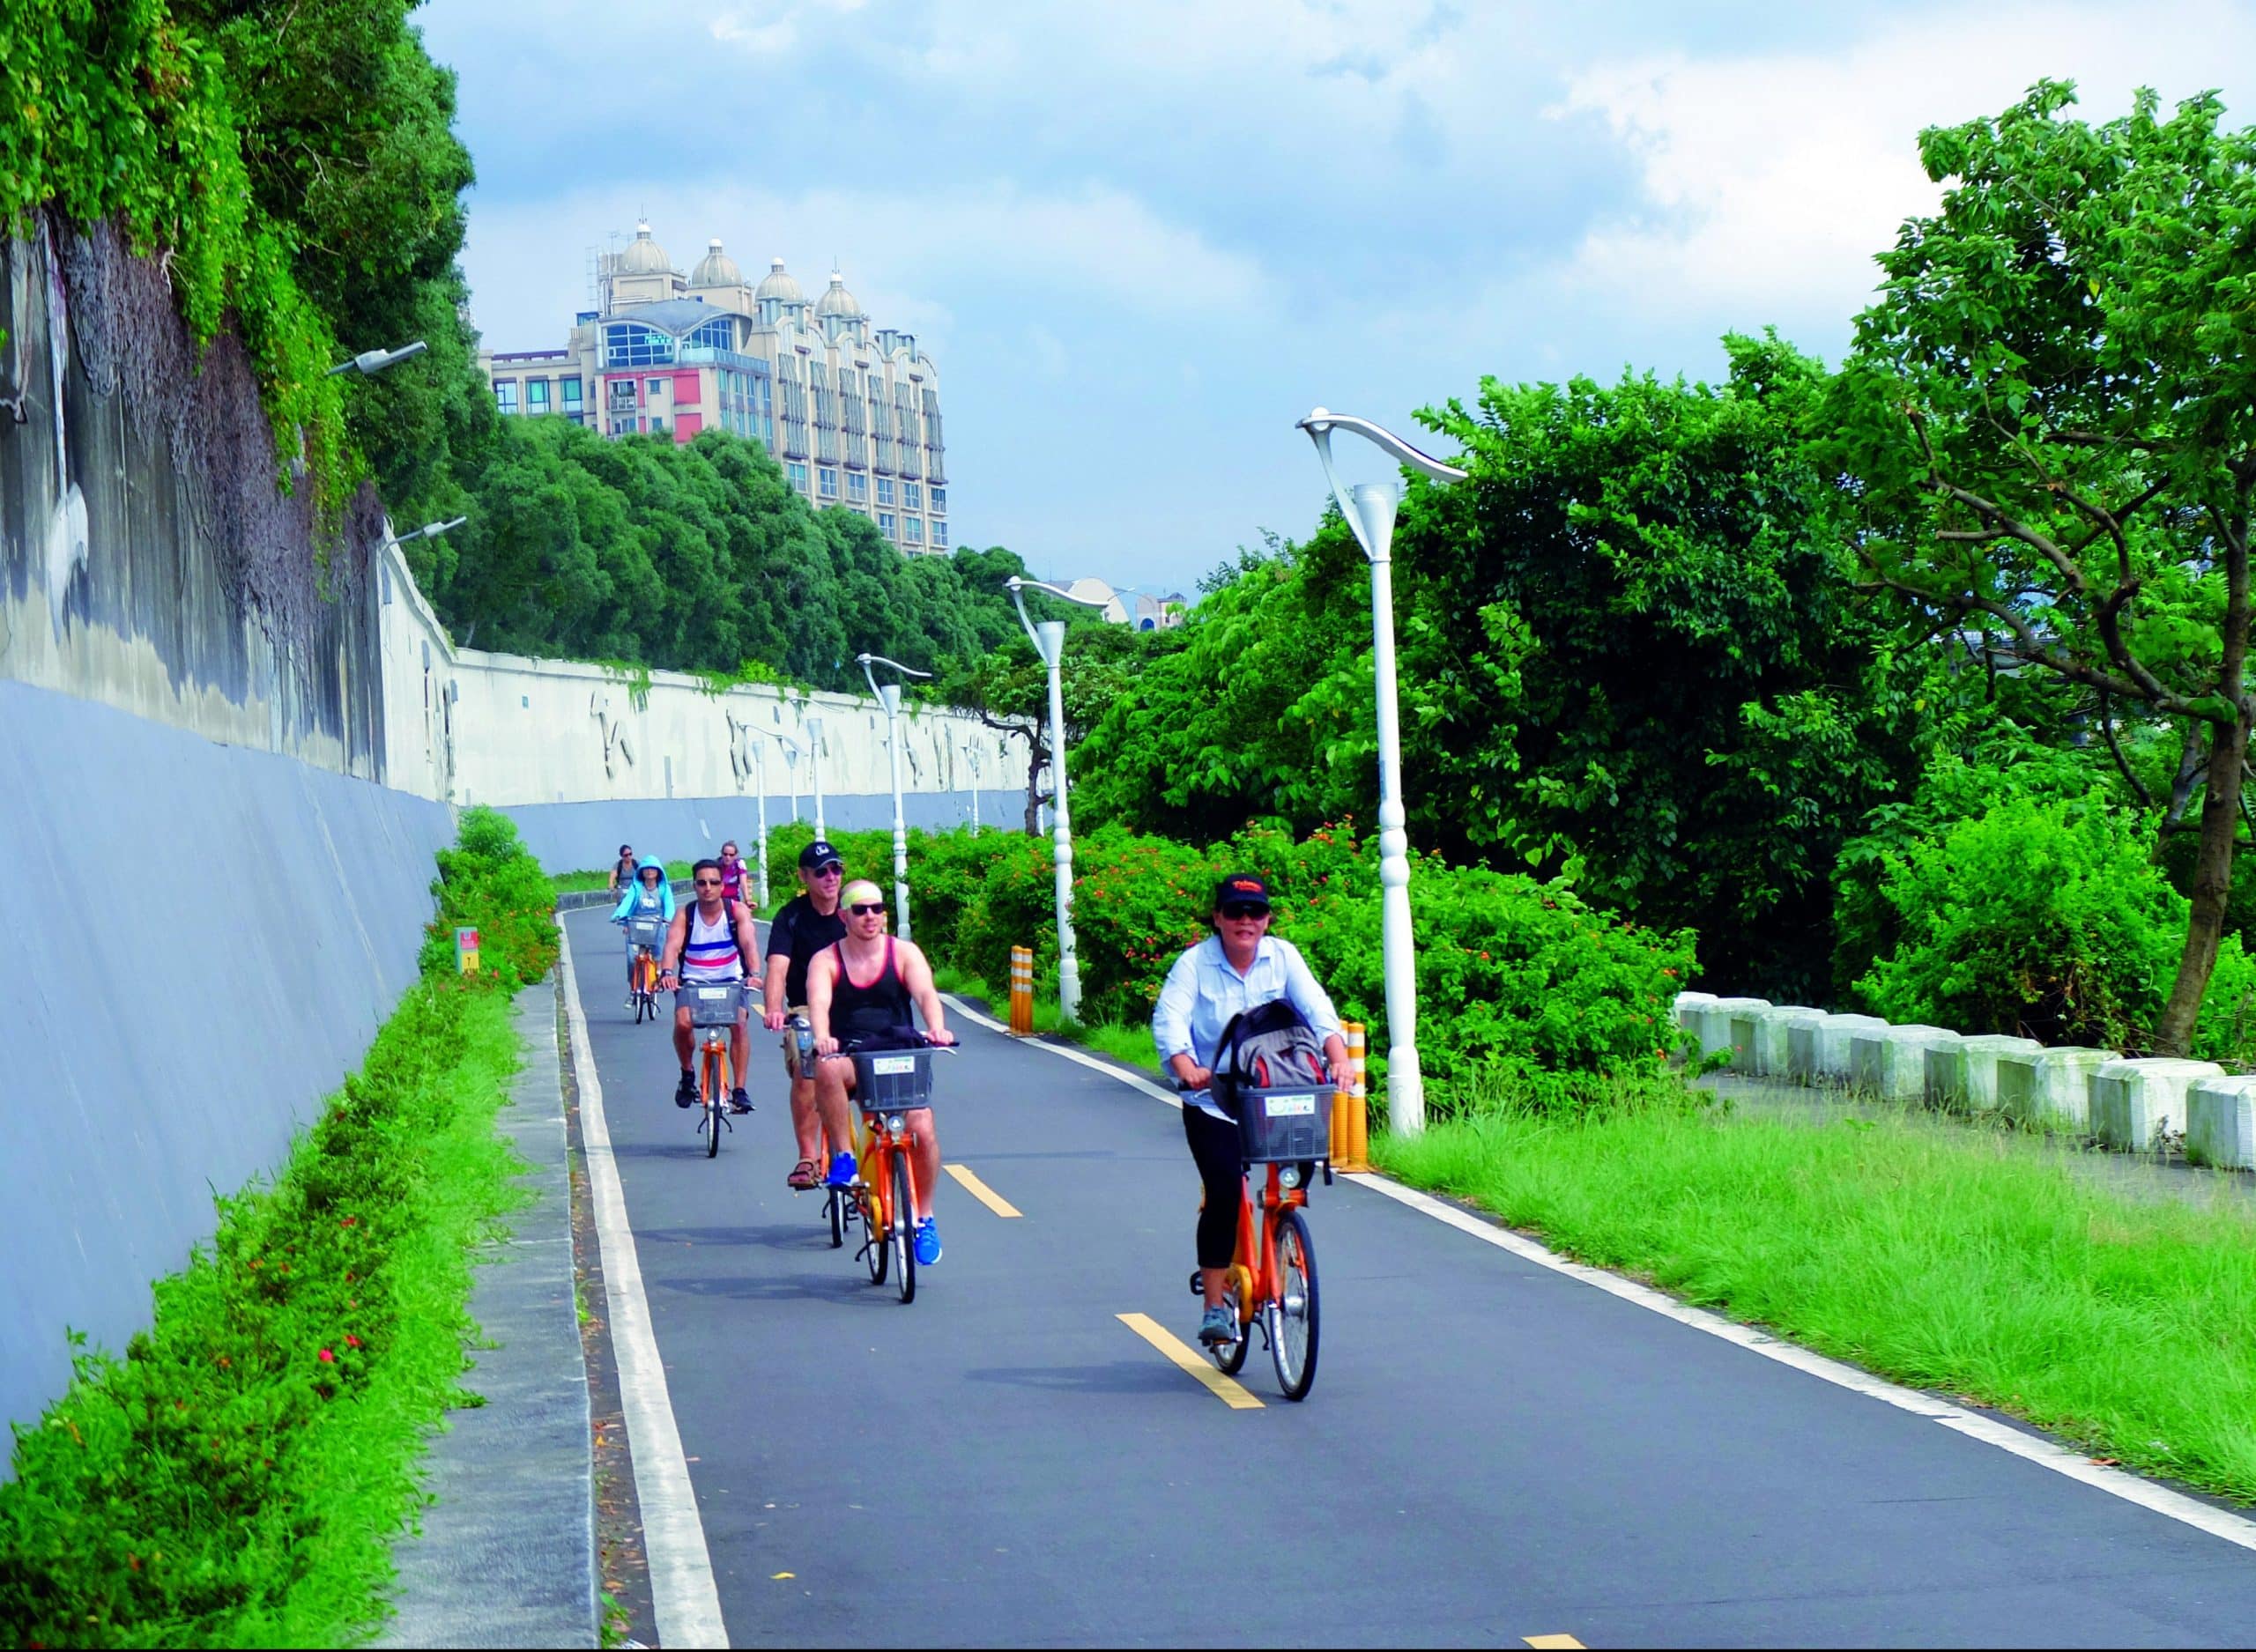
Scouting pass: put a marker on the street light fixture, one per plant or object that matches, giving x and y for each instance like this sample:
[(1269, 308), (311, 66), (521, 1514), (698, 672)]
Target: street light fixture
[(814, 726), (1049, 640), (1370, 508), (760, 769), (971, 760), (890, 696), (370, 361), (429, 530)]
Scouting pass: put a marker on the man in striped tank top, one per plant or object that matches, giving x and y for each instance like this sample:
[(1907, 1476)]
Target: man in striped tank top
[(710, 940)]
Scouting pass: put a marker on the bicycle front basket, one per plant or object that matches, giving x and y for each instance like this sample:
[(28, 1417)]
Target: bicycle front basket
[(895, 1078), (712, 1003), (650, 932), (1286, 1124)]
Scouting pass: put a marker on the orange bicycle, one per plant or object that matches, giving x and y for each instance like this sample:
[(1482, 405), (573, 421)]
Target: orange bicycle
[(889, 1086), (714, 1009), (646, 935), (1287, 1131)]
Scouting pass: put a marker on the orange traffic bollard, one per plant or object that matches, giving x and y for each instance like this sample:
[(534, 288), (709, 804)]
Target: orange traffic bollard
[(1021, 992), (1351, 1132)]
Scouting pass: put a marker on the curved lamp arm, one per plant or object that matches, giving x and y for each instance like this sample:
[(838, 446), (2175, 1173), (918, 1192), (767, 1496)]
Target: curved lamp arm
[(1320, 424), (867, 660), (431, 531), (1017, 583)]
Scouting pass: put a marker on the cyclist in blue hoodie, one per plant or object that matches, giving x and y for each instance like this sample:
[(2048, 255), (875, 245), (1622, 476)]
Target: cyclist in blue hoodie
[(649, 896)]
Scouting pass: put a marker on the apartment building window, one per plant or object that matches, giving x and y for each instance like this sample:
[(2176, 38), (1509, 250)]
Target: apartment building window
[(915, 525), (654, 388), (939, 500), (912, 496), (505, 395), (798, 475), (571, 396), (826, 482), (889, 524), (622, 393), (632, 344), (622, 427), (885, 490), (857, 488), (940, 535), (536, 395)]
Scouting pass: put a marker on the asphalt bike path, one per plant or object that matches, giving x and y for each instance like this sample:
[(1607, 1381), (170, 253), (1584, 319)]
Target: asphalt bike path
[(1493, 1451)]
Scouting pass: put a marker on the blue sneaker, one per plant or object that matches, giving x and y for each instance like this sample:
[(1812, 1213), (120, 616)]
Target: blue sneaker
[(928, 1242), (841, 1172)]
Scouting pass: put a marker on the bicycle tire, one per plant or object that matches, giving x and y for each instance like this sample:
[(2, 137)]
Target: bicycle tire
[(1295, 1318), (1230, 1357), (904, 1227), (877, 1234), (716, 1093)]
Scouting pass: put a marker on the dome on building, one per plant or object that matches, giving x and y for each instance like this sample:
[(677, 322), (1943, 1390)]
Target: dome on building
[(776, 285), (716, 269), (644, 256), (838, 300)]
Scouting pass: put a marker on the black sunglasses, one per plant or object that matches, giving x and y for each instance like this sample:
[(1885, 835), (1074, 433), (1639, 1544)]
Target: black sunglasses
[(1240, 909), (830, 869), (709, 883), (868, 910)]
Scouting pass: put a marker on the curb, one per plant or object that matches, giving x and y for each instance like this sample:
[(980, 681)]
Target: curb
[(506, 1554)]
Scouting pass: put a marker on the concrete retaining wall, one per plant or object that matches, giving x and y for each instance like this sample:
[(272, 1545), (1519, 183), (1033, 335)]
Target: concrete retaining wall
[(198, 943)]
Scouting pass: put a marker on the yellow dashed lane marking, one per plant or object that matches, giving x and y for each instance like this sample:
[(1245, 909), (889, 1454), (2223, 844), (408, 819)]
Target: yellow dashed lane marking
[(981, 1191), (1220, 1386), (1548, 1640)]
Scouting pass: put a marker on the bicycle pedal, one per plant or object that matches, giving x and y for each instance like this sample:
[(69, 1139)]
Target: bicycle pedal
[(1197, 1282)]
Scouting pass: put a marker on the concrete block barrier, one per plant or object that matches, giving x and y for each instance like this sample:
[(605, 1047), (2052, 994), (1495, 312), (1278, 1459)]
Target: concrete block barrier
[(1690, 1004), (1964, 1076), (1773, 1057), (2221, 1122), (2050, 1087), (1891, 1061), (2134, 1102), (1728, 1024), (1829, 1047)]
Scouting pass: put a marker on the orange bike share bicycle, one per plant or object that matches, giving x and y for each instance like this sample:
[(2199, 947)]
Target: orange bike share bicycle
[(1287, 1132), (646, 935), (714, 1007), (890, 1085)]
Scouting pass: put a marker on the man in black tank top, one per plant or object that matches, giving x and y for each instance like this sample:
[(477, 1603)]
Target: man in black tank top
[(861, 990)]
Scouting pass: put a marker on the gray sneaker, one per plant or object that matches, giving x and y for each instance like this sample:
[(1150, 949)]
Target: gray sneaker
[(1219, 1327)]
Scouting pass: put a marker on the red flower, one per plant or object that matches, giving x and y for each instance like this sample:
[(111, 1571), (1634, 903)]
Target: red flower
[(327, 1358), (348, 1221), (350, 1341)]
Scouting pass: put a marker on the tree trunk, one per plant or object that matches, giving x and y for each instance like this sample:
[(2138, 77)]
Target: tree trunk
[(2212, 886)]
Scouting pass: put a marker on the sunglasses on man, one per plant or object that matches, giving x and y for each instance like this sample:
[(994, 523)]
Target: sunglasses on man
[(709, 883), (1239, 910), (868, 910)]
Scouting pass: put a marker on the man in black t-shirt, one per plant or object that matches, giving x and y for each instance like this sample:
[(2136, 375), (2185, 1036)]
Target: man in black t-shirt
[(807, 923)]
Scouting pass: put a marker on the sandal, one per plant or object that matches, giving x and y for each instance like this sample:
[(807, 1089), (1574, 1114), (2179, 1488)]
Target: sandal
[(803, 1176)]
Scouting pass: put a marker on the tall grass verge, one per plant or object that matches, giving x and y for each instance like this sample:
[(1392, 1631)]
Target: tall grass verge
[(1965, 1261), (238, 1477)]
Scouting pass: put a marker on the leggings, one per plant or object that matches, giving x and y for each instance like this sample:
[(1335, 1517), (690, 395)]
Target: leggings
[(1214, 1144)]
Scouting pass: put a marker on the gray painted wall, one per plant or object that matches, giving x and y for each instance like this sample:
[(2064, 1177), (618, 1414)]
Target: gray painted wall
[(197, 943), (579, 836)]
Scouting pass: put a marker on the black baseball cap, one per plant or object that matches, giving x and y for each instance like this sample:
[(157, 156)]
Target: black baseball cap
[(820, 854), (1241, 889)]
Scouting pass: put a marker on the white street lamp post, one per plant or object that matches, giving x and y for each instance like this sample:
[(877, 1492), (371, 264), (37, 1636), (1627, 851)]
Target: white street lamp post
[(1370, 508), (370, 361), (430, 531), (971, 760), (759, 767), (814, 770), (1049, 640), (890, 697)]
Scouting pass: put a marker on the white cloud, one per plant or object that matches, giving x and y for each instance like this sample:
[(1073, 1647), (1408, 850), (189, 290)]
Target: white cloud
[(762, 39), (1769, 182)]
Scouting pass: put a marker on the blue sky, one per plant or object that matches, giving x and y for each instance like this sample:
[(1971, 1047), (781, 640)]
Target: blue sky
[(1142, 240)]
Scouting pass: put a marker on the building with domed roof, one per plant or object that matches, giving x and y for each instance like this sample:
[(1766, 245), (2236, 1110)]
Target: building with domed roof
[(850, 410)]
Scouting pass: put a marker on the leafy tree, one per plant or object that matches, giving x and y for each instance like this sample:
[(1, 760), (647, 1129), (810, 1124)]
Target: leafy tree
[(2052, 411)]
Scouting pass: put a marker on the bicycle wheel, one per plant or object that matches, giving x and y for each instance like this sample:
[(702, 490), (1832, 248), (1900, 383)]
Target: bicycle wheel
[(716, 1098), (1295, 1320), (1230, 1357), (904, 1226), (877, 1236)]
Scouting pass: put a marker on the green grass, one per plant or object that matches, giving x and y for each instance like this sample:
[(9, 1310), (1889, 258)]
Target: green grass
[(1969, 1260), (1131, 1045), (580, 883)]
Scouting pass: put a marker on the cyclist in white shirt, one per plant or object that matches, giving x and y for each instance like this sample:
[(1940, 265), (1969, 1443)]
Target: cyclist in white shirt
[(710, 940)]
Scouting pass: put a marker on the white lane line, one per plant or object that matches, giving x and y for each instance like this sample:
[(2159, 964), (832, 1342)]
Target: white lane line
[(2075, 1466), (683, 1596)]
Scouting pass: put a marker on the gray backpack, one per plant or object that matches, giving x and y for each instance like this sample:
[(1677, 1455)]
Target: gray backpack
[(1266, 1048)]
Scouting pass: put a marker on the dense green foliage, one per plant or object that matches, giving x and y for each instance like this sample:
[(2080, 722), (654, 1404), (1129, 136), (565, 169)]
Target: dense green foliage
[(238, 1477), (294, 161)]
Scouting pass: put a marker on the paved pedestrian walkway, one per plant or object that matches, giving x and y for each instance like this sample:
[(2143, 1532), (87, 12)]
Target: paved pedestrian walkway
[(507, 1555)]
